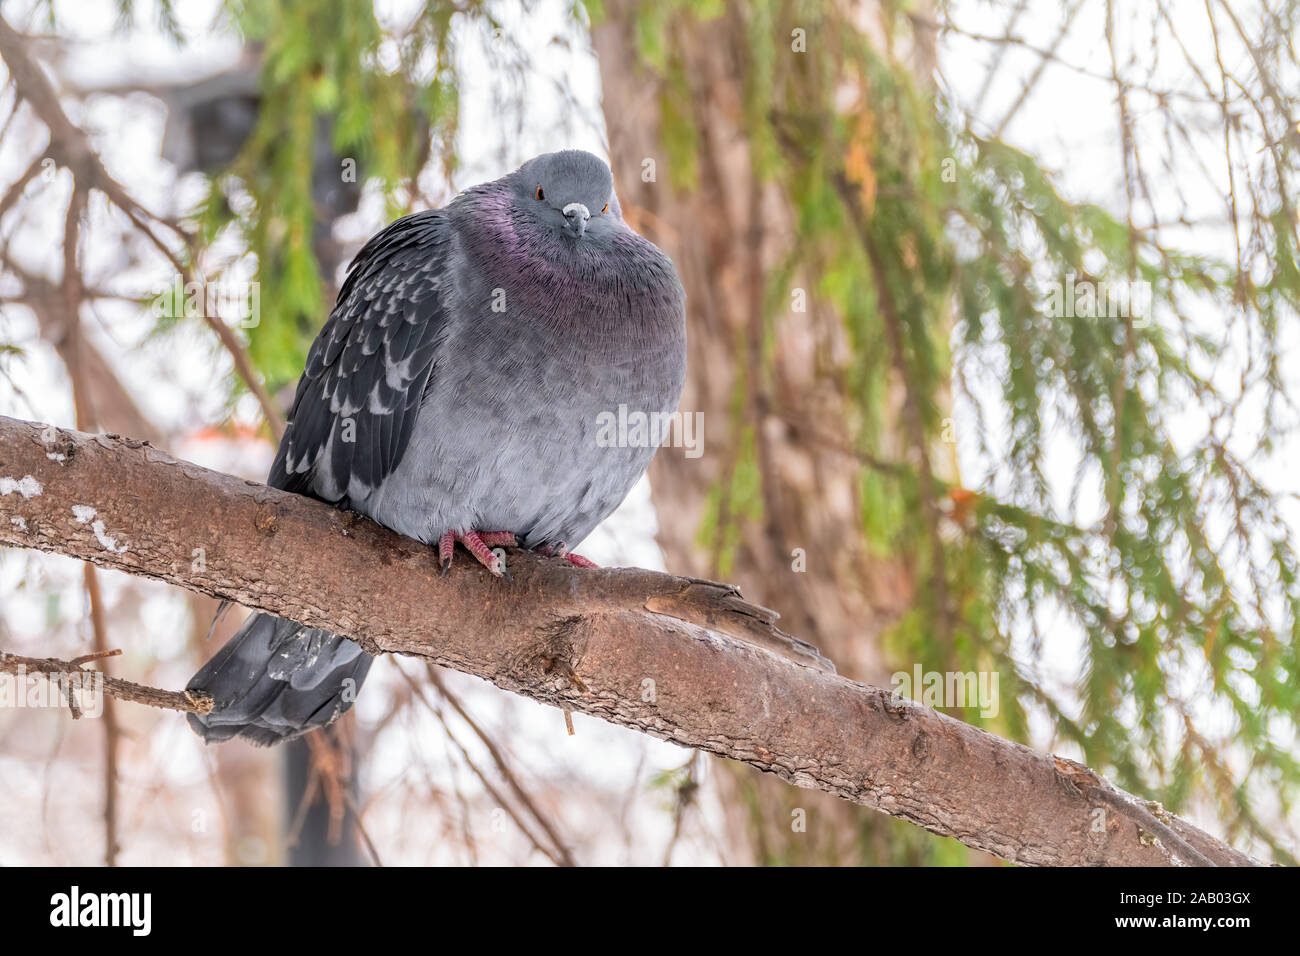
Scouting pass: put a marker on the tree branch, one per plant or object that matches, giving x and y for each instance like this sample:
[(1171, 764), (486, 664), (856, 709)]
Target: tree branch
[(681, 659), (186, 701)]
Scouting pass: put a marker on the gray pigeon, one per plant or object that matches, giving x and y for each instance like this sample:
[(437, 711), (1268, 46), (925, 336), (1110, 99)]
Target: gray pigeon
[(457, 394)]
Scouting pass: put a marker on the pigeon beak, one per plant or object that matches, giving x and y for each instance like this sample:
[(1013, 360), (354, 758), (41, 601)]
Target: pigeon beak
[(575, 218)]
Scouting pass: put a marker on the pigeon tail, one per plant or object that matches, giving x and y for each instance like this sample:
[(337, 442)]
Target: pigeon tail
[(276, 680)]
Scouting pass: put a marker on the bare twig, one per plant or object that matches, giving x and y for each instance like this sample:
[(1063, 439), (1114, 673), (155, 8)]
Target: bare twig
[(556, 852), (185, 701), (70, 147), (503, 766)]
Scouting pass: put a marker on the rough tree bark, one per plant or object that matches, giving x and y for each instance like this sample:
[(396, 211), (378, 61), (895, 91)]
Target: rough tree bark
[(678, 658), (727, 233)]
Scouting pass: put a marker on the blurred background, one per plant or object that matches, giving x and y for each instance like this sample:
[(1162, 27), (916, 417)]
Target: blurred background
[(922, 444)]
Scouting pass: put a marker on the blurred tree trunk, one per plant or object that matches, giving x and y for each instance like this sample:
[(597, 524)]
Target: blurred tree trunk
[(773, 377)]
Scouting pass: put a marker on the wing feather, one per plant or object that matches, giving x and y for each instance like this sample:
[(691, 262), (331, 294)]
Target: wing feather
[(357, 400)]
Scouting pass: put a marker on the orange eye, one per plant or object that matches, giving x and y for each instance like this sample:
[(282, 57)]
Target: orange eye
[(605, 210), (540, 194)]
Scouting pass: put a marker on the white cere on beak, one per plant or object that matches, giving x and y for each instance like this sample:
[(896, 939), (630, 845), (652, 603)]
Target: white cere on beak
[(576, 215)]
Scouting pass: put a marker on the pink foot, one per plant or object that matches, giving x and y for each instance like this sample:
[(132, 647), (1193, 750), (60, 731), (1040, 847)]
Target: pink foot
[(479, 544), (577, 560)]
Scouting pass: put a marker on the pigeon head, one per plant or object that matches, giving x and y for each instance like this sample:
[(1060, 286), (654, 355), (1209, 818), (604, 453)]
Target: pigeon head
[(569, 193)]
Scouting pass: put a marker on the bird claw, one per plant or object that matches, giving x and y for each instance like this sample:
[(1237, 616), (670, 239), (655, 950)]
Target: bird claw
[(577, 560), (479, 544)]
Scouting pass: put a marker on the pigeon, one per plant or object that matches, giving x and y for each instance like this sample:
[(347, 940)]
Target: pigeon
[(456, 394)]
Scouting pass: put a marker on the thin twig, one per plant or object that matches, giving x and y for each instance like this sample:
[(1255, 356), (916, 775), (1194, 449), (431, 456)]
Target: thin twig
[(361, 828), (499, 759), (70, 147), (186, 701), (557, 854)]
